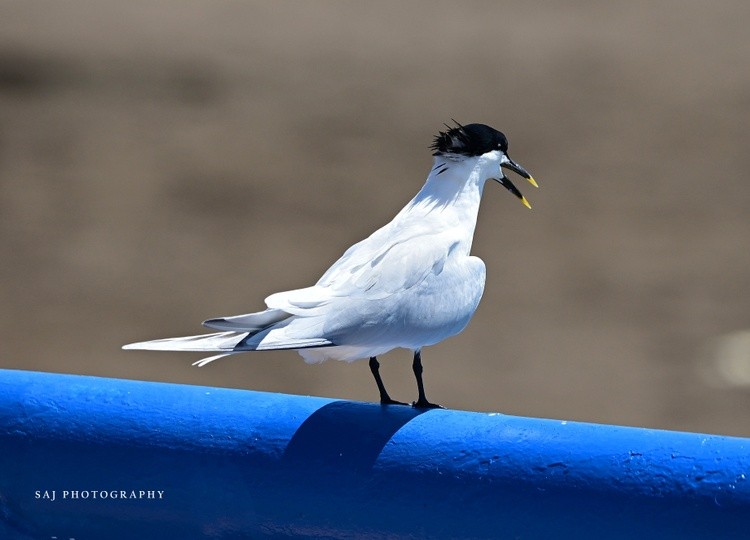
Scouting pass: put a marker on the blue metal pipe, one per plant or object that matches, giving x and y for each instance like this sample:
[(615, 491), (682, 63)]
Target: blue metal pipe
[(85, 457)]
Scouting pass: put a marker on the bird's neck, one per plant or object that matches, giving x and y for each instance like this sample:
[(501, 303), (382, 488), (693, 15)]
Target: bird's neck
[(449, 199)]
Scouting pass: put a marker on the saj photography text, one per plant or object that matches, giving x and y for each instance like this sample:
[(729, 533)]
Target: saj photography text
[(54, 495)]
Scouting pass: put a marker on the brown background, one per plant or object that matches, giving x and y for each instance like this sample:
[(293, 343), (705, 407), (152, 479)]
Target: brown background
[(164, 163)]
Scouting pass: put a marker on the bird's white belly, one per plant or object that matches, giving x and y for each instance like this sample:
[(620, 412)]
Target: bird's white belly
[(444, 303), (438, 307)]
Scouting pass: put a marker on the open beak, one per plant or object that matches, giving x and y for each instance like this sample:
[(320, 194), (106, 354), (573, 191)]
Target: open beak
[(505, 181), (516, 168)]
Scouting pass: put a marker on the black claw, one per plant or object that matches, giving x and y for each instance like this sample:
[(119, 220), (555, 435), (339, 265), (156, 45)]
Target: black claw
[(424, 404)]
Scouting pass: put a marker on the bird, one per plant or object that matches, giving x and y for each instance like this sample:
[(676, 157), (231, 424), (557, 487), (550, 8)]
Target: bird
[(411, 284)]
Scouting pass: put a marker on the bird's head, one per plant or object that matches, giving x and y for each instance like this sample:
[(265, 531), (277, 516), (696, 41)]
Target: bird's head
[(478, 140)]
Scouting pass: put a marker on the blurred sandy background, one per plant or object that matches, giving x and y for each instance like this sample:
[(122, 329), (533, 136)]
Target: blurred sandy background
[(162, 163)]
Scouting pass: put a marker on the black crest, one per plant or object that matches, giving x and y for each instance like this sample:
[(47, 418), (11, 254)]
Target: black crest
[(468, 140)]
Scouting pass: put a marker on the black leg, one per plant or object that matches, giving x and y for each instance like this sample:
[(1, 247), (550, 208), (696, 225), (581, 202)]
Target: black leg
[(421, 402), (385, 399)]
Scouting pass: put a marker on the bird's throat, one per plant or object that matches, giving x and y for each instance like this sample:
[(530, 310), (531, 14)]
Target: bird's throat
[(448, 201)]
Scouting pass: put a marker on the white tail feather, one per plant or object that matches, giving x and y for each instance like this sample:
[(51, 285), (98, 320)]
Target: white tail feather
[(220, 341), (228, 343), (204, 361)]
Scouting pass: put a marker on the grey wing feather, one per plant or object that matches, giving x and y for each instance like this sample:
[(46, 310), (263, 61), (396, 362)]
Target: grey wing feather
[(251, 322)]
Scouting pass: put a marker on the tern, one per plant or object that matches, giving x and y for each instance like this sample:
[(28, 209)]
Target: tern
[(410, 284)]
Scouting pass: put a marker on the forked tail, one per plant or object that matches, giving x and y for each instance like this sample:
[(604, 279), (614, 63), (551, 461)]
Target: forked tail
[(264, 331)]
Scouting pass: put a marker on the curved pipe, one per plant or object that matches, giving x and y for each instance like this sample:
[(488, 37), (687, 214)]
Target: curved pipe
[(234, 464)]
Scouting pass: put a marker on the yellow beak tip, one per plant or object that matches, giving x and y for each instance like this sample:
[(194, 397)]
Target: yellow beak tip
[(533, 182), (525, 203)]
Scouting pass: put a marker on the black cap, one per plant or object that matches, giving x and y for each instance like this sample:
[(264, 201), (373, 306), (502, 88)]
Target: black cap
[(469, 140)]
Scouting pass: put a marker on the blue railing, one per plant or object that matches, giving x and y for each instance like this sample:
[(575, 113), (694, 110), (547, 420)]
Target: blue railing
[(85, 457)]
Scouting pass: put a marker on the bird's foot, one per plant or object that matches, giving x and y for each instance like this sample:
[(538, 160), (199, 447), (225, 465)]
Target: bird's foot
[(424, 404)]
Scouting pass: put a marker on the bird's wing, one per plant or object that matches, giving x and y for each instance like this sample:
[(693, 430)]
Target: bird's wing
[(375, 268), (301, 302), (369, 272), (389, 269), (250, 322), (360, 254), (398, 268)]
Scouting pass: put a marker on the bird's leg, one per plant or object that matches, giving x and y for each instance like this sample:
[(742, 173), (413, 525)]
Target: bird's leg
[(421, 402), (385, 399)]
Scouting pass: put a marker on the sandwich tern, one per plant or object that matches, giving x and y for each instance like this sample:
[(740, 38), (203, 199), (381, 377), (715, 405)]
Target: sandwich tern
[(410, 284)]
